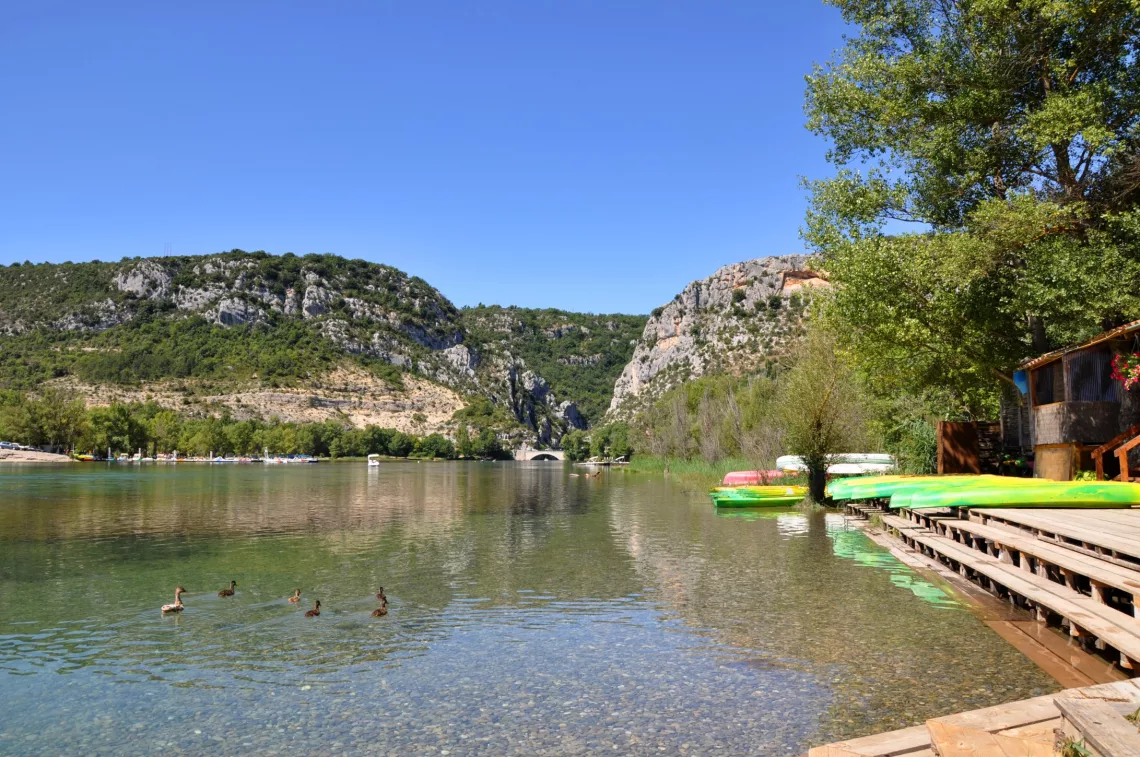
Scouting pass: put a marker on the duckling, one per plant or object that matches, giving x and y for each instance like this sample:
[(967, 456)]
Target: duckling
[(177, 606), (296, 596), (316, 611), (380, 611), (228, 592)]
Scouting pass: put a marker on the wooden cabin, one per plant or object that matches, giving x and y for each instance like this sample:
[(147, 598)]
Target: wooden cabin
[(1074, 408)]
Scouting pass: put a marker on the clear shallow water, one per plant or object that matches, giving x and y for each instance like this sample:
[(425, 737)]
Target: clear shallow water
[(531, 612)]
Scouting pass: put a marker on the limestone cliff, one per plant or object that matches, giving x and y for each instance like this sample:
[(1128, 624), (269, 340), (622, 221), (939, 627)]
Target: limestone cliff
[(250, 331), (742, 318)]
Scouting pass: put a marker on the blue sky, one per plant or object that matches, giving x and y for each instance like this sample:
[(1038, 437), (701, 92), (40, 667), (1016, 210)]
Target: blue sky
[(591, 155)]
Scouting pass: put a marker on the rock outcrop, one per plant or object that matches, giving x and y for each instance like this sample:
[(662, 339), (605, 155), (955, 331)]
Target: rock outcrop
[(739, 319), (369, 312)]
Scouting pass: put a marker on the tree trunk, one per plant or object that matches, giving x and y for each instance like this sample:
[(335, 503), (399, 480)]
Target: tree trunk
[(1040, 339), (817, 484)]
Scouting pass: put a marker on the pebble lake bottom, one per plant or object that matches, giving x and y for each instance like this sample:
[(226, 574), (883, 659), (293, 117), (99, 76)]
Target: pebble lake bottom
[(532, 612)]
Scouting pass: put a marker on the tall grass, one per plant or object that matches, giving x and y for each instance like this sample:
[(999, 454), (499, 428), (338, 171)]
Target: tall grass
[(698, 469)]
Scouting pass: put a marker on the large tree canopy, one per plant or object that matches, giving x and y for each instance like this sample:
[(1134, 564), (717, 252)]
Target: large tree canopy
[(1009, 132)]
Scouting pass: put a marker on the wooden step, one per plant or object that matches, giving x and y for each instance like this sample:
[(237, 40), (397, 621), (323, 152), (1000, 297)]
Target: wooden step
[(1027, 718), (1109, 534), (1085, 615), (1103, 731), (1097, 570), (899, 524), (951, 740)]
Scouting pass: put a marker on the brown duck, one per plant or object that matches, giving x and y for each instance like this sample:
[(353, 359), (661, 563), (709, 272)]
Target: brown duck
[(228, 592), (296, 596), (177, 606), (382, 610), (316, 611)]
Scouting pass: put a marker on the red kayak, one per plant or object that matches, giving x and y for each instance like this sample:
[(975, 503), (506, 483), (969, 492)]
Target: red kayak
[(751, 477)]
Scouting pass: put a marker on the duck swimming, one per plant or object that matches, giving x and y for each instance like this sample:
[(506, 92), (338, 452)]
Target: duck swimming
[(177, 606), (296, 596), (381, 597), (316, 611), (380, 611), (228, 592)]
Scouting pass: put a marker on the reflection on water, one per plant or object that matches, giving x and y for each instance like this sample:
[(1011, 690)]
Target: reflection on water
[(853, 545), (531, 612)]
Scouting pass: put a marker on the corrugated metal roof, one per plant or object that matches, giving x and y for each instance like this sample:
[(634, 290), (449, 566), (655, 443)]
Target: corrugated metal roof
[(1049, 357)]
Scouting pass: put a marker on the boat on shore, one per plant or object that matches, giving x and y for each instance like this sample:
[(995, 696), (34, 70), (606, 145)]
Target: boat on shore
[(848, 464), (1033, 493), (751, 477), (757, 496)]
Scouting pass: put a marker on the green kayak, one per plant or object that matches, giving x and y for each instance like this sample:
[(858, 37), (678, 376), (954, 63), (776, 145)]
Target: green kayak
[(876, 487), (757, 496), (1036, 493)]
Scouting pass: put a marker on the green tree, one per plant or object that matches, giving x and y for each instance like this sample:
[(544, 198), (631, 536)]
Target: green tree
[(576, 445), (400, 444), (462, 441), (164, 428), (487, 446), (117, 428), (1007, 132), (435, 445), (376, 440), (820, 407)]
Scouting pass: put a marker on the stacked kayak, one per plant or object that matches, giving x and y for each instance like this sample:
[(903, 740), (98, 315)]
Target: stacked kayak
[(757, 496), (751, 477), (881, 487), (1033, 493), (919, 492), (851, 464)]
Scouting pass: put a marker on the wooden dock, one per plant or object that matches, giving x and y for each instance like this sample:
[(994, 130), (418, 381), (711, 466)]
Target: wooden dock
[(1092, 716), (1075, 570)]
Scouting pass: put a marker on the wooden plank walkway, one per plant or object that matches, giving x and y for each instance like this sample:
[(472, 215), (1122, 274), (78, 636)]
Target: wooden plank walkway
[(1083, 614), (1098, 725), (1109, 534), (1000, 541), (1028, 718)]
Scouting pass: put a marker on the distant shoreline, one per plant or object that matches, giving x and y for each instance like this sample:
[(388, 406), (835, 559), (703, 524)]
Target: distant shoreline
[(30, 456)]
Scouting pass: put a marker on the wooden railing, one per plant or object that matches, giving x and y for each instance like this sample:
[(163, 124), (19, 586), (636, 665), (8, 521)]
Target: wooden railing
[(1129, 439)]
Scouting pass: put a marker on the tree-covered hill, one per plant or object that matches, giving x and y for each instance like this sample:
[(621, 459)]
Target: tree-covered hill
[(238, 320), (579, 355)]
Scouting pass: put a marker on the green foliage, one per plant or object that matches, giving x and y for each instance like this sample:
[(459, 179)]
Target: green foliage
[(486, 446), (612, 441), (576, 445), (53, 420), (712, 418), (462, 441), (1008, 132), (50, 420), (820, 407), (581, 355), (433, 446)]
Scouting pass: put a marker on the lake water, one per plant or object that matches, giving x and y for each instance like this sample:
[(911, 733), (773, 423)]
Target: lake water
[(532, 612)]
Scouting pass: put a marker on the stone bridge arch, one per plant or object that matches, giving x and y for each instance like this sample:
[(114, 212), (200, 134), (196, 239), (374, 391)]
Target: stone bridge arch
[(526, 454)]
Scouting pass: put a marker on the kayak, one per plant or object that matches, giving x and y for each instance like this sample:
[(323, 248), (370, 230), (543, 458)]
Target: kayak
[(874, 487), (850, 464), (757, 496), (1037, 493), (751, 477)]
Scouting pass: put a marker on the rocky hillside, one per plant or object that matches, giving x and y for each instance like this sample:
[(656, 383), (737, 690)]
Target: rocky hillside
[(743, 318), (216, 331), (554, 353)]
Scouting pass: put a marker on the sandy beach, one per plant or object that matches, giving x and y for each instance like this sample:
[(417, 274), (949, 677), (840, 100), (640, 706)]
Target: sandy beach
[(27, 456)]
